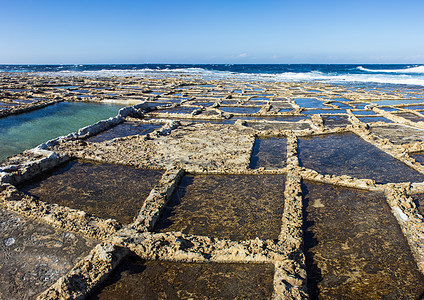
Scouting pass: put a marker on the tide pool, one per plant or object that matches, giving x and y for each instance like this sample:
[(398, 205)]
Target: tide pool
[(25, 131)]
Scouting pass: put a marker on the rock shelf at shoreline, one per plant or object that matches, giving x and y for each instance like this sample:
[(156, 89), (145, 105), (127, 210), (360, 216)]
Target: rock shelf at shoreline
[(195, 128)]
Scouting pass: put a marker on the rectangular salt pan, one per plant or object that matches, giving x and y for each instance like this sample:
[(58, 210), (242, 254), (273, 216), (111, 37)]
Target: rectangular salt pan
[(237, 207), (354, 247), (269, 153), (138, 279), (104, 190), (348, 154), (34, 255), (123, 130)]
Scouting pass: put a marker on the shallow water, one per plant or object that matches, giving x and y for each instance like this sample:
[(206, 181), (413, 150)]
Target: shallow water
[(259, 99), (389, 109), (363, 112), (410, 116), (237, 207), (269, 153), (347, 154), (24, 131), (295, 126), (178, 110), (104, 190), (373, 119), (323, 111), (419, 157), (414, 107), (354, 247), (135, 278), (399, 134), (341, 105), (204, 104), (239, 110), (335, 121), (123, 130), (34, 255), (395, 102), (419, 202), (277, 119), (359, 105), (310, 103)]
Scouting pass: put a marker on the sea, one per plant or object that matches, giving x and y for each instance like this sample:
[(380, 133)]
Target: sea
[(375, 75)]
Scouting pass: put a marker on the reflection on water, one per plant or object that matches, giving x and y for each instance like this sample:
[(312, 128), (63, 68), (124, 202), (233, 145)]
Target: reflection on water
[(348, 154), (24, 131), (310, 103), (395, 102), (139, 279), (354, 247), (373, 119), (104, 190), (124, 129), (269, 153), (363, 112), (237, 207)]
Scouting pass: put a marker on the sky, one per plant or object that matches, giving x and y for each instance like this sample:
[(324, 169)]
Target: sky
[(205, 31)]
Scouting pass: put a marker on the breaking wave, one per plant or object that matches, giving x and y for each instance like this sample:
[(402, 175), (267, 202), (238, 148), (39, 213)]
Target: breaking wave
[(409, 70)]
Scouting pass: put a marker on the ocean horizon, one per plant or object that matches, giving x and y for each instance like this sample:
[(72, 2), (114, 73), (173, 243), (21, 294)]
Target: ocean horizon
[(356, 74)]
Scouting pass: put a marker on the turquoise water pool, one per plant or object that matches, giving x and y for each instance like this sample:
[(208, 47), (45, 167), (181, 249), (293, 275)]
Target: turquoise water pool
[(25, 131)]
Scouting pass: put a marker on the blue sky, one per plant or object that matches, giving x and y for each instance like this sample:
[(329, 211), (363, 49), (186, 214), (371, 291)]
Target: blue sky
[(203, 31)]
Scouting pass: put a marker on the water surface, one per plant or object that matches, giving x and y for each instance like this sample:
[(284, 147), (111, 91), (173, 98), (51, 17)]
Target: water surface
[(335, 121), (34, 255), (347, 154), (310, 103), (124, 129), (104, 190), (237, 207), (27, 130), (269, 153), (354, 247), (137, 279)]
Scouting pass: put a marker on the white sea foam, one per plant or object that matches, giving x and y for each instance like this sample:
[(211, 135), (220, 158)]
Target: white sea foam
[(413, 78), (409, 70)]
